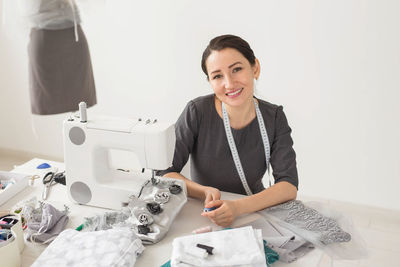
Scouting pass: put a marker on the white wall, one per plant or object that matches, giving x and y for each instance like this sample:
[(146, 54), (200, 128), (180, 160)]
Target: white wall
[(333, 65)]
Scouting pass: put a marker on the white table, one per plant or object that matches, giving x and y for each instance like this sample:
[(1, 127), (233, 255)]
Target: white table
[(154, 255)]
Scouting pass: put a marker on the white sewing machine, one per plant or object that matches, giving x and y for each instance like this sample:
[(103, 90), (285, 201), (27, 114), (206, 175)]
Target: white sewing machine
[(91, 178)]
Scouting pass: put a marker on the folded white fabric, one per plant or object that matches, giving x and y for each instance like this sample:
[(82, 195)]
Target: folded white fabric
[(236, 247), (113, 247)]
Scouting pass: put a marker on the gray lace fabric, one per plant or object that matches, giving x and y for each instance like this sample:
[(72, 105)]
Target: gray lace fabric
[(105, 221), (45, 222), (296, 213), (149, 215)]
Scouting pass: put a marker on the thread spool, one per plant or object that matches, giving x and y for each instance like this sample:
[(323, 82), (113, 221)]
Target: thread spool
[(83, 111)]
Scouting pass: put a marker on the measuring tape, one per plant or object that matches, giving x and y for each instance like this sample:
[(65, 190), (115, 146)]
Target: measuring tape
[(232, 145)]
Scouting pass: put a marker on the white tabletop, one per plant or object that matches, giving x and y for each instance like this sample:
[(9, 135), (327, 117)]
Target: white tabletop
[(154, 255)]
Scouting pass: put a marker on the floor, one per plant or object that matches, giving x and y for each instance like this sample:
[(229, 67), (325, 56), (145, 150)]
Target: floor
[(380, 228)]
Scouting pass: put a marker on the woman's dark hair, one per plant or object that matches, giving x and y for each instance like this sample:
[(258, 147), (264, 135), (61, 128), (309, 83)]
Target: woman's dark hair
[(228, 41)]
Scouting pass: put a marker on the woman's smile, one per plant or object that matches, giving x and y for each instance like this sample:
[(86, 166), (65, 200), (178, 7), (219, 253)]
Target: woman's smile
[(235, 93)]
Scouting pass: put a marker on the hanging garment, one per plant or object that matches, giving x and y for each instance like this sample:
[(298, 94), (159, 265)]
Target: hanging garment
[(60, 68), (50, 14), (114, 247), (235, 247), (60, 71)]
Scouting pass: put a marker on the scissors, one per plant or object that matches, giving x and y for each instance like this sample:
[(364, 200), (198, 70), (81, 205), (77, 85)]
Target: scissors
[(48, 180)]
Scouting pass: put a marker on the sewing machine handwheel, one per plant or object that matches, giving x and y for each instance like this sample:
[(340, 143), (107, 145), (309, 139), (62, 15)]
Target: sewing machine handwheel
[(80, 192)]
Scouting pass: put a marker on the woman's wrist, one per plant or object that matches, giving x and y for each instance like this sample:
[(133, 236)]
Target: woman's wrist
[(239, 207), (206, 190)]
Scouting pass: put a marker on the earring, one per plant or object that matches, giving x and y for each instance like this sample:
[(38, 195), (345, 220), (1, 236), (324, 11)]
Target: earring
[(254, 85)]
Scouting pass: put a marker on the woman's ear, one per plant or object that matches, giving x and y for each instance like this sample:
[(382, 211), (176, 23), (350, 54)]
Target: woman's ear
[(256, 69)]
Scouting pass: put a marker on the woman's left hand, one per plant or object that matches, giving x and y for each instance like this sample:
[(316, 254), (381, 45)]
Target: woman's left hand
[(225, 213)]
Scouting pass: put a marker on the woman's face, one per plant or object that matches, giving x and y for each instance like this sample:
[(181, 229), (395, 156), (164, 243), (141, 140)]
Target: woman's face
[(231, 76)]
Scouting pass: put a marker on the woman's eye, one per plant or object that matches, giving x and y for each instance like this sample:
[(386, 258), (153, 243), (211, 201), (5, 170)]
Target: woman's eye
[(237, 69), (217, 76)]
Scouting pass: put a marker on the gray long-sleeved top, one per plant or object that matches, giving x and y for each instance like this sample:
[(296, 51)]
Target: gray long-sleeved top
[(51, 14), (200, 133)]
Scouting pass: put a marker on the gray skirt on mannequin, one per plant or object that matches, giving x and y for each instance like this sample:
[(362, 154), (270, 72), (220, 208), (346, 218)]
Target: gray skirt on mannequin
[(60, 71)]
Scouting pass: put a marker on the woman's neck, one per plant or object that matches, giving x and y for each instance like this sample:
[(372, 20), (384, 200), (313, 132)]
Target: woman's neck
[(239, 116)]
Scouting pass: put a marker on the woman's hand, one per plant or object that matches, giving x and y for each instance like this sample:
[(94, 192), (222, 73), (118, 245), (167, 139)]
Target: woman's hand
[(225, 213), (210, 194)]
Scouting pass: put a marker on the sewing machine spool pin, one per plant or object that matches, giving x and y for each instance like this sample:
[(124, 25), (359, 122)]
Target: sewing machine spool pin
[(83, 111)]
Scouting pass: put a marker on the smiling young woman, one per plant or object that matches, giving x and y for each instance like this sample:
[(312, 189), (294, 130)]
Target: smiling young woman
[(233, 137), (232, 77)]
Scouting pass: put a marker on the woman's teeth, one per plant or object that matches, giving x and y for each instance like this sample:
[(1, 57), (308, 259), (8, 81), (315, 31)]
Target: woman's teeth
[(235, 92)]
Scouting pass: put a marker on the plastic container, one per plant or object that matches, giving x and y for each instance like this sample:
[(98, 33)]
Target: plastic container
[(17, 228), (10, 254), (20, 182)]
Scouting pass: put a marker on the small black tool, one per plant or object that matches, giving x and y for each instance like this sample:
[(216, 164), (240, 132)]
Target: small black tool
[(207, 248), (60, 178)]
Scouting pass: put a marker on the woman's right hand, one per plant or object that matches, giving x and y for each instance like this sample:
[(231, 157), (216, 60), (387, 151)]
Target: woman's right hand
[(211, 194)]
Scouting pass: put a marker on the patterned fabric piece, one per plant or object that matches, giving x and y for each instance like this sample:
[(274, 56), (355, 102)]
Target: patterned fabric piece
[(114, 247), (296, 213), (160, 202), (150, 214), (105, 221)]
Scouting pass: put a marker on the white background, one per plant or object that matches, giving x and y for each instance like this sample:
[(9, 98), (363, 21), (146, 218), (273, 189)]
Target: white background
[(333, 65)]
